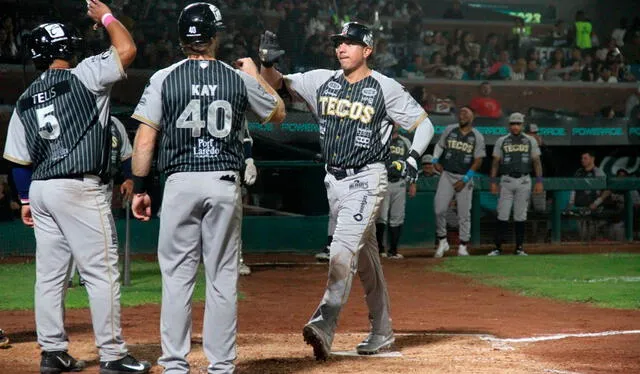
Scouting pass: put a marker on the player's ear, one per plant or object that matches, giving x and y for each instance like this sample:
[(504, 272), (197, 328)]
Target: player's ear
[(367, 52)]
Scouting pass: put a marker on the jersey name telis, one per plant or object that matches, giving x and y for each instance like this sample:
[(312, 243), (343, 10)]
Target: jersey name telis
[(459, 145), (341, 108)]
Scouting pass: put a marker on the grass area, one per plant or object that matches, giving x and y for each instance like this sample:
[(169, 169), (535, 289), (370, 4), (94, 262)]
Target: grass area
[(606, 280), (17, 287)]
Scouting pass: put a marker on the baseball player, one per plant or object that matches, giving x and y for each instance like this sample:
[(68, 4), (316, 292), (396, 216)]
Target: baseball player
[(198, 107), (393, 204), (514, 157), (250, 175), (60, 128), (428, 169), (121, 152), (355, 108), (459, 153)]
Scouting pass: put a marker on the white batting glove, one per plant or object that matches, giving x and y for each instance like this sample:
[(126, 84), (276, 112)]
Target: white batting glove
[(250, 172)]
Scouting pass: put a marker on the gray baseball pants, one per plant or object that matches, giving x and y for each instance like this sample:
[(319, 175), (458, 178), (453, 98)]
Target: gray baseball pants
[(73, 220), (201, 216), (355, 249), (514, 193), (444, 193), (393, 205)]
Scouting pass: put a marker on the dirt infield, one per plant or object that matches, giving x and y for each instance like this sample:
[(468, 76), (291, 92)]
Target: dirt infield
[(444, 324)]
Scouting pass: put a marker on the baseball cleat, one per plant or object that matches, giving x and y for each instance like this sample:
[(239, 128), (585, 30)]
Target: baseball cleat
[(462, 250), (396, 256), (126, 365), (495, 252), (59, 362), (316, 338), (243, 269), (4, 340), (373, 344), (323, 256), (443, 246), (383, 254), (521, 252)]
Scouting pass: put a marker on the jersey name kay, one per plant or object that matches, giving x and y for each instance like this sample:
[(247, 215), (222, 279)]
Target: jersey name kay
[(341, 108)]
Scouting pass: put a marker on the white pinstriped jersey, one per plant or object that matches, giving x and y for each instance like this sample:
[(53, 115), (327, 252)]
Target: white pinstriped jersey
[(355, 119), (60, 124), (200, 108)]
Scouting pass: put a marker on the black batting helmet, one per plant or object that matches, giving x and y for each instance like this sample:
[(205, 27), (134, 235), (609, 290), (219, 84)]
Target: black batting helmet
[(51, 41), (198, 23), (356, 32)]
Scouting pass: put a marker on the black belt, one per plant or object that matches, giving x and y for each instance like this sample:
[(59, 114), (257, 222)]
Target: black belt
[(340, 173), (518, 175), (76, 176)]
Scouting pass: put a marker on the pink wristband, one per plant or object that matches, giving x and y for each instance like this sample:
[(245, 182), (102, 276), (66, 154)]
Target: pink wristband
[(107, 19)]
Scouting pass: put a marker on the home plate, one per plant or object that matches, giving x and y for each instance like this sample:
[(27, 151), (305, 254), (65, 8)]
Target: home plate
[(379, 355)]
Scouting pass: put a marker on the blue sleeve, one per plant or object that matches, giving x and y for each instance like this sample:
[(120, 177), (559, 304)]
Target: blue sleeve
[(126, 168), (22, 180)]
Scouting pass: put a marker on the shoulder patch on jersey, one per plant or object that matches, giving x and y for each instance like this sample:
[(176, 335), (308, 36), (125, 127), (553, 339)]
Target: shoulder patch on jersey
[(369, 91), (334, 85)]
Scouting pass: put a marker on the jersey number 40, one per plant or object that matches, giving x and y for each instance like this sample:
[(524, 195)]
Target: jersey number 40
[(191, 118)]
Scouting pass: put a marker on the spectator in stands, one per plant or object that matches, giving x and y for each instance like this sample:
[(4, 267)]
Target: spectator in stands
[(519, 70), (557, 70), (618, 33), (489, 52), (8, 49), (468, 46), (414, 68), (533, 72), (606, 76), (631, 50), (632, 102), (559, 34), (582, 31), (474, 73), (609, 46), (588, 69), (441, 41), (576, 56), (501, 69), (456, 70), (436, 68), (452, 49), (454, 12), (484, 105), (429, 46), (384, 60), (607, 112), (520, 36)]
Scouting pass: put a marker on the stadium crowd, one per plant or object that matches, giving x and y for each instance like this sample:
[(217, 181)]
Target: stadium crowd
[(570, 52)]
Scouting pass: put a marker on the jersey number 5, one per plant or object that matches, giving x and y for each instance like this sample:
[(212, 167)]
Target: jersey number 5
[(190, 118), (48, 125)]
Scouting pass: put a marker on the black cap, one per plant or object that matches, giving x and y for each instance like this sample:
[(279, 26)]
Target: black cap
[(199, 22), (356, 32), (51, 41)]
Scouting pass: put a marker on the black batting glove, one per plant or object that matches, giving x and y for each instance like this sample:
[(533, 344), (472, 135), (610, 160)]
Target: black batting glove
[(269, 51), (408, 168)]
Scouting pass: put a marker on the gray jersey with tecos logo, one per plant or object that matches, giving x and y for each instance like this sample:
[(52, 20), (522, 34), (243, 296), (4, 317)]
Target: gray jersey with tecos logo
[(516, 153), (200, 107), (355, 120), (459, 150), (60, 124)]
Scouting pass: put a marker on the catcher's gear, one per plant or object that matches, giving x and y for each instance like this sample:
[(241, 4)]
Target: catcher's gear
[(198, 23), (51, 41), (269, 51), (250, 172), (356, 32)]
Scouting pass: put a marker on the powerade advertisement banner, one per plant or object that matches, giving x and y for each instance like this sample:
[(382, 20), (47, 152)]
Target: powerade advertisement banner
[(301, 128)]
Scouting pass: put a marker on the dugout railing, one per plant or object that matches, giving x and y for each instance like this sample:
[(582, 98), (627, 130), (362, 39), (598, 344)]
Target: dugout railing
[(267, 229)]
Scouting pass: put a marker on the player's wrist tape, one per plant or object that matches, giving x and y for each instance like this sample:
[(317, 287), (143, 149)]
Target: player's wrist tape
[(139, 184), (467, 177), (24, 201), (538, 179), (107, 19)]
